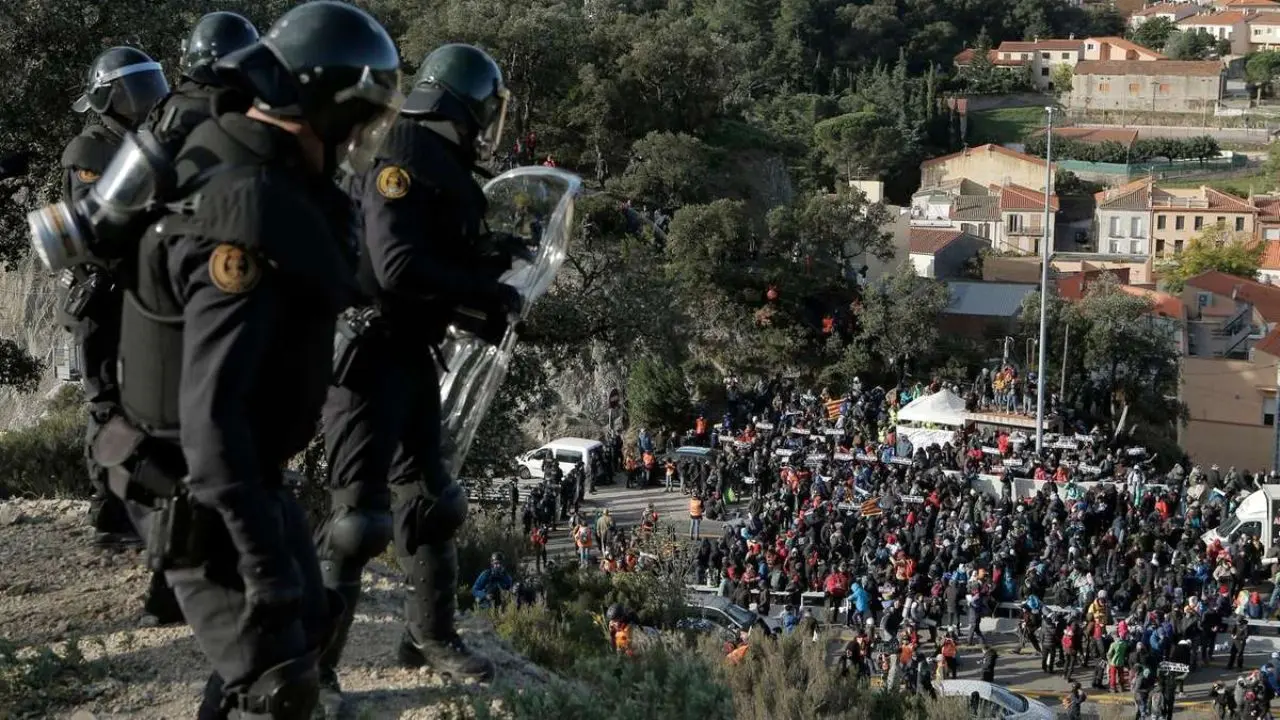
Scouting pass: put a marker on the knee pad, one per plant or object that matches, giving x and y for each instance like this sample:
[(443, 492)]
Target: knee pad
[(288, 691), (439, 518), (353, 537)]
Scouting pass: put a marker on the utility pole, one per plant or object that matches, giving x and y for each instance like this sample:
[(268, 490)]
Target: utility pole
[(1044, 280), (1062, 385)]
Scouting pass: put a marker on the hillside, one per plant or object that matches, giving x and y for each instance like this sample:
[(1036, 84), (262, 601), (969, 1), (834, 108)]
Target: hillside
[(57, 593)]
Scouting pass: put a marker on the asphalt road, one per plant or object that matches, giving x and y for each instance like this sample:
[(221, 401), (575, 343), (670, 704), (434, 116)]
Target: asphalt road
[(1020, 673)]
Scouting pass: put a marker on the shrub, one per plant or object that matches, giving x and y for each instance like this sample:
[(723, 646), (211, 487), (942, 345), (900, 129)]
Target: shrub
[(555, 640), (486, 532), (47, 459)]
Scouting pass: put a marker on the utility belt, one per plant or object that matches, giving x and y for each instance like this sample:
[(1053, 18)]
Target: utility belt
[(150, 472), (84, 292)]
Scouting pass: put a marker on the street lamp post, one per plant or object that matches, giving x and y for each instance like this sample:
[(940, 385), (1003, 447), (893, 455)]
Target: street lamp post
[(1044, 282)]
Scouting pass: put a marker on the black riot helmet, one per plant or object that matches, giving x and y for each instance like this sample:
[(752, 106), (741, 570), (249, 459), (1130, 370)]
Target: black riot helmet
[(215, 36), (123, 83), (330, 65), (462, 84)]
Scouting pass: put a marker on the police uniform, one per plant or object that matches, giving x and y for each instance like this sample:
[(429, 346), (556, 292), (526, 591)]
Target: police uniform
[(420, 215), (87, 155), (189, 105), (225, 357)]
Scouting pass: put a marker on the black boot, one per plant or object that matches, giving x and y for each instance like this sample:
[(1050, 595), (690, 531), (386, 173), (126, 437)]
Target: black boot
[(431, 639), (161, 607), (331, 701)]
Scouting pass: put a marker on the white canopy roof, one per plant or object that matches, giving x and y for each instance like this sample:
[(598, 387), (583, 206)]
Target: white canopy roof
[(941, 408)]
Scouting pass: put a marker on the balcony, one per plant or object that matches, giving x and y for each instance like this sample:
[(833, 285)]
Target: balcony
[(1028, 231)]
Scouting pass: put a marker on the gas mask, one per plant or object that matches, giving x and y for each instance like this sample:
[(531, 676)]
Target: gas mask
[(115, 212)]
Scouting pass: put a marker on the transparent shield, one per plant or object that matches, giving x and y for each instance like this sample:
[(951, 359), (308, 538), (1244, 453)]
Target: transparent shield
[(537, 205)]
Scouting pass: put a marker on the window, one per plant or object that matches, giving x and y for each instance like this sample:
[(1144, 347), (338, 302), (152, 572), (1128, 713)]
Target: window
[(1222, 221), (1115, 247), (1160, 247), (1015, 222), (1204, 299), (1239, 224), (1257, 31), (1253, 528), (1269, 411), (570, 457), (1135, 247), (1044, 56), (1164, 88), (1135, 227), (1044, 72), (1179, 223), (1199, 223), (1133, 88), (1177, 247), (1104, 87), (1066, 56), (1115, 227), (1273, 234), (1160, 222)]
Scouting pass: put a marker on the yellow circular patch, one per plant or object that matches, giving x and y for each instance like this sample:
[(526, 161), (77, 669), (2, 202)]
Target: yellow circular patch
[(87, 176), (233, 270), (393, 182)]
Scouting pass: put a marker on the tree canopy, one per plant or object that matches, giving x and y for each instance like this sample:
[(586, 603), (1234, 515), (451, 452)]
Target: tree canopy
[(1215, 248)]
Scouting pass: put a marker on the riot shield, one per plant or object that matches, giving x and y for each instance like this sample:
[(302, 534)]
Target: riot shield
[(536, 205)]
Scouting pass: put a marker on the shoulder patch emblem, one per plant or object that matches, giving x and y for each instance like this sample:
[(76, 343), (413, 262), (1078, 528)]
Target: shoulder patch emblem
[(393, 182), (87, 176), (233, 270)]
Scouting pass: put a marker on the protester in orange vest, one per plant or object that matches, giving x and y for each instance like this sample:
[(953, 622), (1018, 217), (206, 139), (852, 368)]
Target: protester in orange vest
[(650, 464), (619, 629), (828, 325), (649, 520), (700, 428), (538, 538), (949, 655), (633, 469), (695, 517), (737, 655)]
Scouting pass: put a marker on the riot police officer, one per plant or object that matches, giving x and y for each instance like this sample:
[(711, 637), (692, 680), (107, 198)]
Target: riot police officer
[(422, 222), (123, 83), (226, 351), (214, 36)]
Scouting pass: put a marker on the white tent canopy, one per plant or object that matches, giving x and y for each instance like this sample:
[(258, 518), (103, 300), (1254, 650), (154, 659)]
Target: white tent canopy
[(941, 408)]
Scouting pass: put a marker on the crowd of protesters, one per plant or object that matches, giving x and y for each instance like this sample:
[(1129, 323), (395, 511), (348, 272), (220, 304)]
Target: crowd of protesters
[(1112, 579)]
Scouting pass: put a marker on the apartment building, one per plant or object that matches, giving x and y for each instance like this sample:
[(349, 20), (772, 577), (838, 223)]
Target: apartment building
[(1179, 214), (1156, 86), (1123, 219), (1173, 12)]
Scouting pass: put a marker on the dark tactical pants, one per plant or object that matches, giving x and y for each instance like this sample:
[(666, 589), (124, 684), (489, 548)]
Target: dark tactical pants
[(212, 598), (383, 445)]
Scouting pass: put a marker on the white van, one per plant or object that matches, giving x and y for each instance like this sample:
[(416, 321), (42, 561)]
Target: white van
[(1257, 515), (567, 451)]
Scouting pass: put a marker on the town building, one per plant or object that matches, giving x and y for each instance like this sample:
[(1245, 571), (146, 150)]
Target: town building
[(1264, 31), (1160, 86), (1229, 374), (942, 254), (1231, 26), (1123, 219), (985, 165), (1179, 214), (1173, 12), (1117, 48)]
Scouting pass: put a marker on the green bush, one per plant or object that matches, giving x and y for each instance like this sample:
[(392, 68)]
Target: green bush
[(555, 640), (35, 680), (487, 531), (47, 459)]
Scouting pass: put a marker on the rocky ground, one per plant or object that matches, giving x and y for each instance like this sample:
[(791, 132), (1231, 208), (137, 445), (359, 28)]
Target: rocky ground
[(72, 645)]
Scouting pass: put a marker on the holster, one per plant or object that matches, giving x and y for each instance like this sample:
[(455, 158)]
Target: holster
[(84, 293), (140, 471), (357, 330)]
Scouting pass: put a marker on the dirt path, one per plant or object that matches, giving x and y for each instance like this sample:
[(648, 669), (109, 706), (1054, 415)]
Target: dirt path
[(56, 589)]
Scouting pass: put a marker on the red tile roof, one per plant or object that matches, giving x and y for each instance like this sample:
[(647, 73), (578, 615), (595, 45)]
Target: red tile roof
[(1180, 68), (1264, 298), (924, 241), (1166, 305), (1219, 200), (1016, 46), (1017, 197), (1271, 256), (1134, 195), (1250, 3), (965, 57), (1223, 18), (1267, 18), (988, 148), (1270, 344)]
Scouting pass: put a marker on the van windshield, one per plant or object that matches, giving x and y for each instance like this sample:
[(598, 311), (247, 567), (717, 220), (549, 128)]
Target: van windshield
[(1228, 527)]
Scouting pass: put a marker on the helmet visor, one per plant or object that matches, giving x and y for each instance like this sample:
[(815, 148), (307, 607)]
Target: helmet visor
[(365, 141), (487, 143)]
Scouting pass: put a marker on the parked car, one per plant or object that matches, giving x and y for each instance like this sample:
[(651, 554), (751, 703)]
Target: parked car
[(715, 614), (988, 701), (567, 451)]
